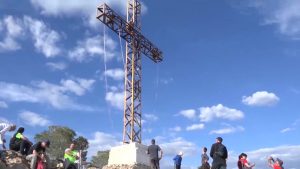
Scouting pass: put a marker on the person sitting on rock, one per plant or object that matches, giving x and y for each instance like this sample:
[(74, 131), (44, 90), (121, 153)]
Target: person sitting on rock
[(38, 152), (71, 155), (19, 142)]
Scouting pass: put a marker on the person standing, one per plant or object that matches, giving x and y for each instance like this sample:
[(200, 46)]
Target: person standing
[(38, 152), (244, 161), (275, 164), (204, 159), (177, 160), (153, 151), (19, 142), (4, 127), (71, 155), (219, 154)]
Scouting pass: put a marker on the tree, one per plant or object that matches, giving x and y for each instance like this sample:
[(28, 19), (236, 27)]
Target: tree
[(101, 159), (82, 144), (60, 138)]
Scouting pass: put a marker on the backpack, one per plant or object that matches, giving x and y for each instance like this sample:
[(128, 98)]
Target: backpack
[(221, 151)]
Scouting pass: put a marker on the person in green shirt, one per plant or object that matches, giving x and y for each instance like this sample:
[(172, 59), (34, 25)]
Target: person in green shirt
[(19, 142), (70, 157)]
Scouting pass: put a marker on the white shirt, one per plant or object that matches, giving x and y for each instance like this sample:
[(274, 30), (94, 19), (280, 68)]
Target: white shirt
[(4, 127)]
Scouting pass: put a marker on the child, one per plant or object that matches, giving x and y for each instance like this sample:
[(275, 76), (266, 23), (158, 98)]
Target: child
[(275, 164)]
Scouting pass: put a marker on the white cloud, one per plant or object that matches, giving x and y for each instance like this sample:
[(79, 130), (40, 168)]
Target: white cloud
[(189, 113), (101, 142), (3, 104), (56, 66), (116, 74), (4, 120), (12, 29), (76, 8), (45, 39), (93, 47), (285, 15), (227, 130), (195, 127), (292, 127), (43, 92), (179, 144), (115, 99), (261, 98), (78, 86), (176, 129), (290, 154), (219, 111), (286, 130), (166, 80), (33, 119), (150, 117)]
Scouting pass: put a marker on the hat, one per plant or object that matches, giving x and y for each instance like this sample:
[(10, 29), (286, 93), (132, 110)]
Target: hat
[(220, 139), (180, 153), (279, 161)]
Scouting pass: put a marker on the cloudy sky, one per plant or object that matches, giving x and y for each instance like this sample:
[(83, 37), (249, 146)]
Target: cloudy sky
[(230, 69)]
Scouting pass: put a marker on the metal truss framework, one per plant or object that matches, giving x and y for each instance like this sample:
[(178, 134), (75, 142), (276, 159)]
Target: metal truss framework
[(136, 44)]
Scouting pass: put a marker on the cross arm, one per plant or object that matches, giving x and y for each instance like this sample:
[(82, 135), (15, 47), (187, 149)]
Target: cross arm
[(128, 32)]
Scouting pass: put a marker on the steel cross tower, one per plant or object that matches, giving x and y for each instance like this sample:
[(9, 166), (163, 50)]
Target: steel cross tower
[(136, 44)]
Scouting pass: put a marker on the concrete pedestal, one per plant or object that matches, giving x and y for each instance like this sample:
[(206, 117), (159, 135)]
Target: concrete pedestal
[(129, 156)]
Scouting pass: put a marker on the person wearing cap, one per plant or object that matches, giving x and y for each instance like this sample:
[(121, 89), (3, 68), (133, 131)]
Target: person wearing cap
[(153, 151), (71, 155), (244, 161), (275, 164), (177, 160), (5, 127), (219, 154), (38, 152), (204, 159), (19, 142)]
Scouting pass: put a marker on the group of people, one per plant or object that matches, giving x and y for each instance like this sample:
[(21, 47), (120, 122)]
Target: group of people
[(218, 153), (35, 153)]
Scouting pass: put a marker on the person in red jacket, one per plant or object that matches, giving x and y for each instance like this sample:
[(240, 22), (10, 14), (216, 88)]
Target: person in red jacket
[(275, 164), (244, 161)]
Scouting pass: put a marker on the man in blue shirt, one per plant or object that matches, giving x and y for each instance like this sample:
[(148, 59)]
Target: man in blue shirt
[(177, 160)]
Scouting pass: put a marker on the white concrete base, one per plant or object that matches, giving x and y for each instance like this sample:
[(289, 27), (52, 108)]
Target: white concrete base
[(129, 154)]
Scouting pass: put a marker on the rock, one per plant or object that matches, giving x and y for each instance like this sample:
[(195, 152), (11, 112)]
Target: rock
[(135, 166), (14, 160)]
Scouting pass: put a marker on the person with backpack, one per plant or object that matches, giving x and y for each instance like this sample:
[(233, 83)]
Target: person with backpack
[(37, 153), (219, 154), (244, 162), (275, 164), (19, 142), (177, 160), (204, 159)]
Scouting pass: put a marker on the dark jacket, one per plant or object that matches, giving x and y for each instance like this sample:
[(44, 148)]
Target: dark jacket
[(219, 154)]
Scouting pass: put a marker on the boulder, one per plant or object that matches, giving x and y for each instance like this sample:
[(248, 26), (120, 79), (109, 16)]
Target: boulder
[(14, 160), (135, 166)]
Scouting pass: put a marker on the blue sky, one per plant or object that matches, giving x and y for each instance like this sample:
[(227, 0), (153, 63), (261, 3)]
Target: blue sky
[(230, 69)]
